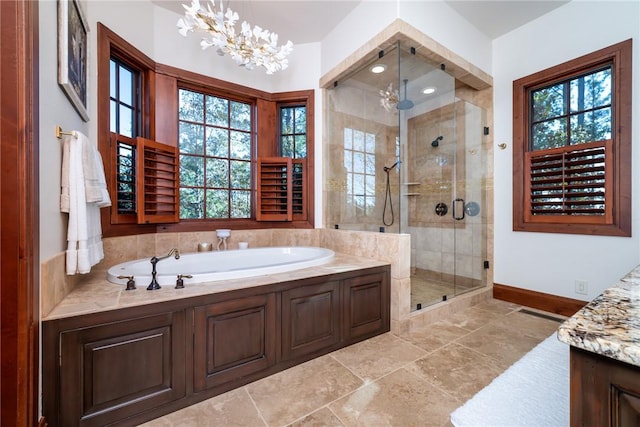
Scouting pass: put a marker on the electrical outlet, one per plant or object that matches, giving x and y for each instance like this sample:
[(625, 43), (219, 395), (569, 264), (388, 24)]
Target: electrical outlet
[(582, 287)]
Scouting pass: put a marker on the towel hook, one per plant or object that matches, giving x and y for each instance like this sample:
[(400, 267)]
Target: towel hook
[(60, 132)]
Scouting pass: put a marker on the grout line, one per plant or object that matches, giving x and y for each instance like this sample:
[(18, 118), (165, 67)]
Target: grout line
[(255, 405)]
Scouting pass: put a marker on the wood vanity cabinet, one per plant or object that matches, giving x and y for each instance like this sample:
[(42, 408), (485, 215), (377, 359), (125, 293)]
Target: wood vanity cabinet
[(128, 366), (604, 391)]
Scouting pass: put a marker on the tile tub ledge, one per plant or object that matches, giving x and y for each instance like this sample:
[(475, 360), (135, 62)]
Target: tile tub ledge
[(97, 294)]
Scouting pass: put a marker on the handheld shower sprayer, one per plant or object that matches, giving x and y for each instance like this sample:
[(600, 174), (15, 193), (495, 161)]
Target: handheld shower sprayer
[(436, 141), (389, 168)]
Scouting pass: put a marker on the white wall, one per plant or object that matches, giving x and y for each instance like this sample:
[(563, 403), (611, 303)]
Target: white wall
[(444, 25), (54, 109), (546, 262), (434, 18)]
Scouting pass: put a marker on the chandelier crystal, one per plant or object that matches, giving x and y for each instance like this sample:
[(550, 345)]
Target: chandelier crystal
[(249, 48)]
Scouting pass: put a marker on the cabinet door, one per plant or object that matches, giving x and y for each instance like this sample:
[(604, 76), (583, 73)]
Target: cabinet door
[(233, 339), (310, 319), (366, 306), (112, 371)]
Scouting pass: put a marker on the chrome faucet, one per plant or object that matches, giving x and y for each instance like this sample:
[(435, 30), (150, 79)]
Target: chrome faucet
[(154, 282)]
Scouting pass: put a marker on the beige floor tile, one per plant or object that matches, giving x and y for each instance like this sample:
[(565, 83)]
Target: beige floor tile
[(500, 341), (398, 399), (321, 418), (233, 408), (537, 327), (378, 356), (474, 318), (436, 335), (289, 395), (457, 370), (497, 306)]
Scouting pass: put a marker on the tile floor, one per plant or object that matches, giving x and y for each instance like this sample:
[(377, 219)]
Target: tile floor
[(388, 380)]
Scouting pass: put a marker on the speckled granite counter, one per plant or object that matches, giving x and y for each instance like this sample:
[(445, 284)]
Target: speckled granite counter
[(96, 294), (610, 324)]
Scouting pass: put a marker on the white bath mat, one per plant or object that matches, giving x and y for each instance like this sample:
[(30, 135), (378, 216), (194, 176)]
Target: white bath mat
[(534, 391)]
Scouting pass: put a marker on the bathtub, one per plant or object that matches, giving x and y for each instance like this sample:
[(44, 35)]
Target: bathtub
[(222, 265)]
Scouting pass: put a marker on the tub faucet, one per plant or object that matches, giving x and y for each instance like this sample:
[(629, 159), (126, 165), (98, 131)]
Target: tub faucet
[(154, 282)]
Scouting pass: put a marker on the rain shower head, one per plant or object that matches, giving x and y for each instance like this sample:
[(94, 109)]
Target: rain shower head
[(405, 104), (436, 141)]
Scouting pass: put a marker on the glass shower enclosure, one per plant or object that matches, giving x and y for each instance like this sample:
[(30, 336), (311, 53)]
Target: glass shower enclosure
[(405, 154)]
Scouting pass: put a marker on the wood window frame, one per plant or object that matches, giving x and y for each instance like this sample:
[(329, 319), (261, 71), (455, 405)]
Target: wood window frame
[(159, 122), (618, 221)]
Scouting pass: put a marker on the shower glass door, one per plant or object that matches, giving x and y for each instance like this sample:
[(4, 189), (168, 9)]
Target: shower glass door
[(443, 187)]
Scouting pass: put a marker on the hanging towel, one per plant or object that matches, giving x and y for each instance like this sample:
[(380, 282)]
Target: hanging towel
[(84, 234), (95, 184)]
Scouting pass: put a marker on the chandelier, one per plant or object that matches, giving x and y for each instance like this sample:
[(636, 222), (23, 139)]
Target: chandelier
[(249, 48)]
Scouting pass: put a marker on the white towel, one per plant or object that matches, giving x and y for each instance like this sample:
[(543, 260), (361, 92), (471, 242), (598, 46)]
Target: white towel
[(95, 184), (84, 234)]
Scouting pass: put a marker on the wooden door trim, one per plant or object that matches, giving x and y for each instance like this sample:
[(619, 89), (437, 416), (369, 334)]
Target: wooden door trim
[(19, 219)]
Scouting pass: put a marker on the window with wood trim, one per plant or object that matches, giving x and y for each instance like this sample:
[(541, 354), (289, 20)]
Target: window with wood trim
[(572, 146), (155, 88), (215, 138)]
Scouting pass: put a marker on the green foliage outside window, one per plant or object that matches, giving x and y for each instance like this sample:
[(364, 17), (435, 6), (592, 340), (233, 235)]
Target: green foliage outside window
[(293, 132), (215, 157), (572, 112)]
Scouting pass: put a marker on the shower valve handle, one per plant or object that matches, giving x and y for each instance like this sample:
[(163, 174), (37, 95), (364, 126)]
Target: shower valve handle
[(457, 202)]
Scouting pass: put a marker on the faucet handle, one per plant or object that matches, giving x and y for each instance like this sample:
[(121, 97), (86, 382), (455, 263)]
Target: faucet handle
[(131, 284), (180, 281)]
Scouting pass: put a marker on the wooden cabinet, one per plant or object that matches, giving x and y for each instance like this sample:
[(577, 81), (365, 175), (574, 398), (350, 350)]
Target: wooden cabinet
[(233, 339), (114, 370), (310, 319), (365, 306), (604, 391), (128, 366)]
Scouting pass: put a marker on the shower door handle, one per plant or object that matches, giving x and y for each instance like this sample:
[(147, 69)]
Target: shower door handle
[(456, 204)]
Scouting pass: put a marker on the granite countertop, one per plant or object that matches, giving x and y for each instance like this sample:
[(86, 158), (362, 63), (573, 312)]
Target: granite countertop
[(610, 324), (97, 294)]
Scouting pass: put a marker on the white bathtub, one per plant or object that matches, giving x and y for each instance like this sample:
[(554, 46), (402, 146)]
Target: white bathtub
[(222, 265)]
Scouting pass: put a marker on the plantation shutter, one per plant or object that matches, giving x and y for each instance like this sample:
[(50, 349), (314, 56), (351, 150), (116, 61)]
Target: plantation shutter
[(274, 189), (574, 182), (143, 181), (157, 178), (282, 194)]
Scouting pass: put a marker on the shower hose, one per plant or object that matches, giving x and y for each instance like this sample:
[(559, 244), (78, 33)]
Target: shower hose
[(387, 199)]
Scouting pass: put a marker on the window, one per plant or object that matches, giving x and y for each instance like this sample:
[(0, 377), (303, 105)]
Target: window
[(360, 165), (215, 156), (154, 120), (293, 131), (124, 113), (572, 145)]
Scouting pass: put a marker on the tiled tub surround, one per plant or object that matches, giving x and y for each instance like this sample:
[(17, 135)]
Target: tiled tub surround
[(96, 294), (92, 292), (610, 324)]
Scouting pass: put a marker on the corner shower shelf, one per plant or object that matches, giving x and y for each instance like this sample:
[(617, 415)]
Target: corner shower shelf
[(411, 194), (410, 183)]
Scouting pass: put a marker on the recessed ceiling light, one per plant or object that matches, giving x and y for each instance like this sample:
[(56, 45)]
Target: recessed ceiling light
[(378, 68), (429, 90)]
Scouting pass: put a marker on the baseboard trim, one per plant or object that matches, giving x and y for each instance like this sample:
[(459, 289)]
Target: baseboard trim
[(547, 302)]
